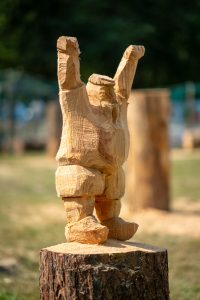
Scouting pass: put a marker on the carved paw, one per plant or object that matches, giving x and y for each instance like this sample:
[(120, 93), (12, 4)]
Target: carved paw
[(68, 44), (134, 52)]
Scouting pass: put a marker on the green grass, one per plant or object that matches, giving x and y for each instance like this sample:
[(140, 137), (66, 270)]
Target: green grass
[(31, 217), (186, 179), (27, 183)]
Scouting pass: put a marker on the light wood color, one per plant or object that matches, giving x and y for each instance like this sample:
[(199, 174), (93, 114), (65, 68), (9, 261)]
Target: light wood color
[(107, 208), (191, 139), (80, 181), (87, 230), (78, 208), (120, 229), (114, 270), (94, 144), (126, 71), (148, 166)]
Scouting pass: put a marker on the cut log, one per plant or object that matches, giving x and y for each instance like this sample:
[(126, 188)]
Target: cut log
[(148, 166), (114, 270), (54, 127)]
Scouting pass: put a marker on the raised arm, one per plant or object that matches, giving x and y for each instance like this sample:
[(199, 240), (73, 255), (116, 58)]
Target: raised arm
[(68, 63), (126, 71)]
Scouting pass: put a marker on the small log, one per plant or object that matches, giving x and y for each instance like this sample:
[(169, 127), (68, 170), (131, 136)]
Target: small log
[(54, 126), (114, 270)]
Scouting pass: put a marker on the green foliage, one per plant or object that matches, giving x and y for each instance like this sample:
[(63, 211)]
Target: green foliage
[(8, 296), (168, 29)]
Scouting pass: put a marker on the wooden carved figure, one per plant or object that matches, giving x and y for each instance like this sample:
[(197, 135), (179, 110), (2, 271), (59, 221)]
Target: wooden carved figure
[(94, 145)]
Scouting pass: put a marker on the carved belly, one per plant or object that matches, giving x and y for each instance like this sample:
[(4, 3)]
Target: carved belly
[(91, 146)]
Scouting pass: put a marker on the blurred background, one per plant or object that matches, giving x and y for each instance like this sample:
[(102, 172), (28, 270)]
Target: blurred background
[(166, 97)]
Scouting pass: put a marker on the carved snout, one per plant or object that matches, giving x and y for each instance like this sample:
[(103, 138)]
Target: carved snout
[(100, 89)]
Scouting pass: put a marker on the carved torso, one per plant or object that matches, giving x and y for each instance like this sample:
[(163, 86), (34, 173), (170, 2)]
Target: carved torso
[(98, 137)]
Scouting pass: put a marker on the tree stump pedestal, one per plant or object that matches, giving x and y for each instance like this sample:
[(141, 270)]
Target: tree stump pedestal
[(115, 270)]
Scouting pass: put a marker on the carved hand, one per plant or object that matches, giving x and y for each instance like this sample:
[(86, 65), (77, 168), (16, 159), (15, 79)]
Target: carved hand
[(68, 63)]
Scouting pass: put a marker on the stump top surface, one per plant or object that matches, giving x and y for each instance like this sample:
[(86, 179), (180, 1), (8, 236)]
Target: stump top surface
[(111, 246)]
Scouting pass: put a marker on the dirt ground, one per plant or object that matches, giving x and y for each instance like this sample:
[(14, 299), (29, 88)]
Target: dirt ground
[(182, 220)]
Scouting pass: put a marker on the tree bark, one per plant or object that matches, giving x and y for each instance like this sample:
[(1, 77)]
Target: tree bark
[(114, 270), (148, 167)]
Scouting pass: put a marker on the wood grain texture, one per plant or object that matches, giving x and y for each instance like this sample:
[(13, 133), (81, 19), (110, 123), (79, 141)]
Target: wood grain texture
[(86, 230), (80, 181), (114, 270), (107, 208), (95, 138), (78, 208), (126, 71), (148, 166), (54, 127)]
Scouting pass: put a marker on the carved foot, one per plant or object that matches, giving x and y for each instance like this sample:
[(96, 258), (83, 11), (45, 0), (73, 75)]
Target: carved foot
[(86, 231), (120, 229)]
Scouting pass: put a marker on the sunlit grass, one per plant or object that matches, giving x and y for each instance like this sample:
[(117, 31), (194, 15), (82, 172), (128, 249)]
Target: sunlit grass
[(186, 179), (32, 217)]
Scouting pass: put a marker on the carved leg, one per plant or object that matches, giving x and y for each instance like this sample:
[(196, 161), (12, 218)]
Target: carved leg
[(107, 211), (77, 186), (82, 226)]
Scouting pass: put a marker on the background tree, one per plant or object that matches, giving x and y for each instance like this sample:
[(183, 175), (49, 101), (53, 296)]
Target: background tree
[(168, 29)]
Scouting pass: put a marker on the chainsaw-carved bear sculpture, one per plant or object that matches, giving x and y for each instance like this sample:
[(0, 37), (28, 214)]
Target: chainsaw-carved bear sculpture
[(94, 145)]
